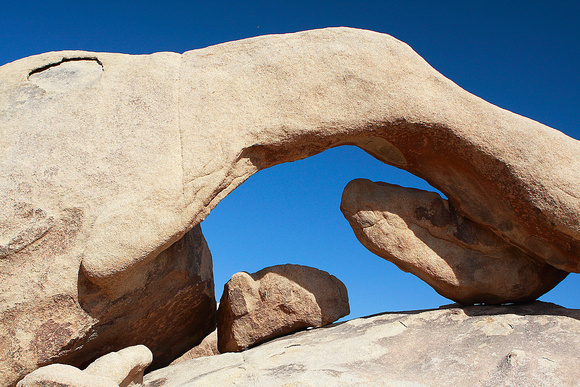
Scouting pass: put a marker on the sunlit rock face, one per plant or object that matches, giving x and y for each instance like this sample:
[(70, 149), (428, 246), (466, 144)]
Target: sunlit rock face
[(124, 368), (107, 160), (531, 344), (276, 301), (422, 233)]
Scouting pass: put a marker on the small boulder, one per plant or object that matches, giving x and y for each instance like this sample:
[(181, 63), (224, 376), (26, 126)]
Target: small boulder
[(276, 301), (208, 347), (116, 369), (125, 367), (423, 234)]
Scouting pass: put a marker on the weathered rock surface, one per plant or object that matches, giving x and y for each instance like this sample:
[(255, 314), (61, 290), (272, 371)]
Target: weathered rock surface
[(170, 309), (125, 367), (207, 347), (532, 344), (423, 234), (276, 301), (62, 375), (108, 159), (118, 369)]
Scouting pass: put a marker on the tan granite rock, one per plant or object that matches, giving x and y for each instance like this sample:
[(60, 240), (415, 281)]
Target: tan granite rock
[(533, 344), (62, 375), (207, 347), (170, 309), (107, 159), (276, 301), (117, 369), (423, 234), (125, 367)]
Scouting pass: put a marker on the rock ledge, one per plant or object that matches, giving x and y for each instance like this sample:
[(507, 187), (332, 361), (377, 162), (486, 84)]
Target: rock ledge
[(529, 344)]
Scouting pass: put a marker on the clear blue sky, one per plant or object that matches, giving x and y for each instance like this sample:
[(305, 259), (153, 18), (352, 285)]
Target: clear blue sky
[(521, 55)]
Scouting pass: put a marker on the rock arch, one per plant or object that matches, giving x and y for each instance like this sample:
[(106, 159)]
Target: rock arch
[(141, 148)]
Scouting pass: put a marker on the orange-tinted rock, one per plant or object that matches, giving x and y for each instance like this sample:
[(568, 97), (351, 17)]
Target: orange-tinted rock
[(276, 301), (170, 309), (208, 347)]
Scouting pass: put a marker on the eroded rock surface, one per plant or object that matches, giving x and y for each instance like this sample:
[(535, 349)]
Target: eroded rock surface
[(207, 347), (423, 234), (107, 159), (116, 369), (532, 344), (171, 308), (276, 301)]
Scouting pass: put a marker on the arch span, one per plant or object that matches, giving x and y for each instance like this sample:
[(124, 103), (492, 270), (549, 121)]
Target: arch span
[(140, 148), (274, 99), (240, 107)]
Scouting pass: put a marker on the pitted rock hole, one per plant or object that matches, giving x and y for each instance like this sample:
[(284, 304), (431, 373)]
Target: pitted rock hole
[(68, 74)]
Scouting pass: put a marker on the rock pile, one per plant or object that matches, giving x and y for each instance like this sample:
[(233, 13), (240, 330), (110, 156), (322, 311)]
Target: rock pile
[(254, 308)]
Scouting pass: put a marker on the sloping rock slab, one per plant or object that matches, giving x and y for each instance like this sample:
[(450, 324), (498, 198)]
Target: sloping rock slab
[(207, 347), (526, 345)]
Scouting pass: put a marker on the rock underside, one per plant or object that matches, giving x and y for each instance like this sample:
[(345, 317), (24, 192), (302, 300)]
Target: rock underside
[(170, 309)]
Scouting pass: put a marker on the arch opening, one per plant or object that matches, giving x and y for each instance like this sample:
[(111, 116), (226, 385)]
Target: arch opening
[(290, 213)]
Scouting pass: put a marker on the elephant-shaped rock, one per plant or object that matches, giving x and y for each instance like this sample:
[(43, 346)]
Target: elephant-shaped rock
[(422, 234)]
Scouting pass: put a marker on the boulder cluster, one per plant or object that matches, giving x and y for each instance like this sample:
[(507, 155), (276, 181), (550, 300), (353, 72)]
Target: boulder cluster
[(109, 163), (254, 308), (276, 301)]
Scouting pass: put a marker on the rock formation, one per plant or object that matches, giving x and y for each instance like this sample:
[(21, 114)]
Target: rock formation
[(276, 301), (107, 160), (207, 347), (423, 234), (170, 308), (116, 369), (63, 375), (532, 344)]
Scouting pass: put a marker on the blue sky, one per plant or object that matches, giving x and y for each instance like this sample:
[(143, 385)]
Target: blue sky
[(521, 55)]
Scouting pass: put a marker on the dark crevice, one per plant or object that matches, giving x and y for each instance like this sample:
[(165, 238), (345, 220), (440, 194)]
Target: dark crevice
[(63, 60)]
